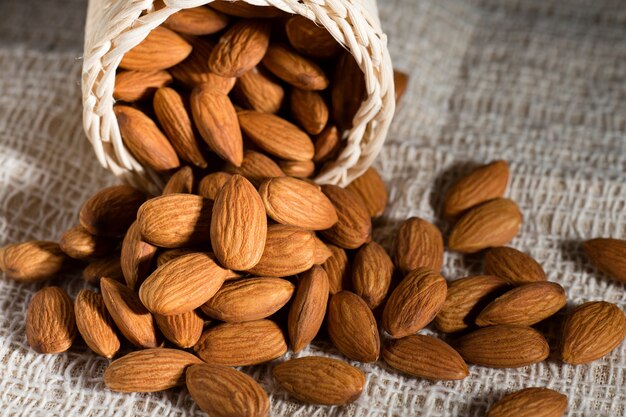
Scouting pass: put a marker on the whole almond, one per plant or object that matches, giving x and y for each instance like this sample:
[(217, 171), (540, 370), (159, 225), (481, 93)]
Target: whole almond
[(196, 21), (221, 391), (161, 49), (180, 182), (249, 299), (309, 110), (276, 136), (288, 250), (490, 224), (503, 346), (322, 252), (354, 226), (131, 317), (530, 402), (258, 90), (414, 302), (419, 244), (514, 266), (307, 311), (31, 261), (137, 257), (591, 331), (149, 370), (372, 270), (465, 300), (320, 380), (95, 325), (241, 344), (425, 357), (400, 82), (338, 269), (482, 184), (184, 330), (78, 243), (347, 91), (109, 267), (238, 225), (194, 70), (241, 48), (524, 305), (310, 39), (50, 324), (298, 169), (256, 168), (171, 254), (111, 211), (211, 184), (352, 327), (326, 144), (608, 255), (139, 85), (294, 68), (371, 188), (243, 9)]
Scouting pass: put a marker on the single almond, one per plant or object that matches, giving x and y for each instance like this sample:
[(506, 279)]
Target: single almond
[(95, 325), (259, 90), (194, 70), (608, 255), (161, 49), (111, 211), (591, 331), (211, 184), (347, 91), (288, 250), (50, 323), (514, 266), (354, 225), (337, 267), (371, 188), (530, 402), (137, 257), (133, 86), (149, 370), (418, 244), (327, 145), (320, 380), (243, 9), (372, 270), (425, 357), (181, 182), (298, 169), (171, 254), (221, 391), (294, 68), (196, 21), (482, 184), (241, 48), (109, 267), (322, 252), (78, 243), (309, 110), (241, 344), (256, 168), (307, 311), (400, 82), (503, 346), (33, 260), (310, 39), (414, 302), (184, 330)]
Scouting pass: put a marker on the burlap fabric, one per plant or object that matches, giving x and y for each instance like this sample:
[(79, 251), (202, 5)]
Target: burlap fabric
[(539, 83)]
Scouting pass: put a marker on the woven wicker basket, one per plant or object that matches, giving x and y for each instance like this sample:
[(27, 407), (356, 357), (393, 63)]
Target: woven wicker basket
[(113, 27)]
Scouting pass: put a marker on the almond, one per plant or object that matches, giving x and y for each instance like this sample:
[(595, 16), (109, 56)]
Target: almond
[(221, 391), (194, 70), (109, 267), (50, 324), (196, 21), (530, 402), (591, 331), (243, 9), (210, 185), (78, 243), (256, 168), (182, 285), (238, 225), (608, 255), (249, 299), (175, 220), (180, 182), (111, 211), (414, 303), (276, 136), (171, 254), (354, 226), (503, 346), (419, 244), (298, 169), (137, 257), (352, 327), (319, 380), (482, 184), (241, 48), (149, 370), (240, 344), (372, 270), (309, 110), (31, 261), (400, 82), (465, 300), (161, 49), (288, 251), (524, 305), (337, 268), (322, 252), (95, 324), (347, 91), (184, 330), (130, 316), (310, 39), (490, 224), (216, 120), (326, 144), (258, 90), (308, 308), (425, 357), (144, 140), (139, 85), (371, 188), (294, 69), (514, 266)]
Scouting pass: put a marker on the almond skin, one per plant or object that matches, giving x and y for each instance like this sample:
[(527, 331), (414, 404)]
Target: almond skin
[(180, 182), (149, 370), (425, 357), (197, 21), (256, 168), (258, 90), (241, 48), (608, 255), (133, 86), (309, 110), (161, 49), (352, 327), (322, 252), (194, 70), (530, 402), (294, 69), (109, 267), (288, 251), (210, 185), (591, 331), (111, 211), (327, 145), (31, 261), (171, 254), (320, 380), (243, 9), (482, 184), (514, 266), (400, 82), (78, 243), (298, 169), (238, 225), (137, 257), (414, 302), (241, 344), (372, 270), (371, 188), (347, 91), (310, 39), (184, 330), (95, 324), (354, 225), (524, 305), (494, 223), (338, 269), (308, 308), (50, 323), (419, 244), (503, 346), (221, 391)]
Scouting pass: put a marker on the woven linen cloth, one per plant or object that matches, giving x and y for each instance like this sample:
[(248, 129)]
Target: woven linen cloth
[(539, 83)]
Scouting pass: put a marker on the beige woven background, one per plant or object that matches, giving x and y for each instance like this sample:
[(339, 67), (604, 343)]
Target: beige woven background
[(539, 83)]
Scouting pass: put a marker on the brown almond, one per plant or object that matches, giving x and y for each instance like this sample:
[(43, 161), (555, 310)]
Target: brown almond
[(371, 188), (133, 86), (171, 254), (372, 270), (347, 91), (109, 267), (243, 9), (78, 243), (33, 260), (400, 82), (322, 252), (194, 70), (354, 225), (310, 39), (137, 257), (196, 21), (294, 68), (608, 255), (425, 357), (298, 169), (514, 266), (494, 223), (256, 168), (184, 330), (320, 380), (258, 90), (309, 110), (288, 250), (111, 211), (419, 244), (161, 49), (241, 48), (592, 331), (482, 184), (307, 311), (181, 182), (326, 144), (241, 344), (149, 370), (338, 269), (211, 184), (50, 324), (503, 346), (414, 302), (95, 325), (530, 402)]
